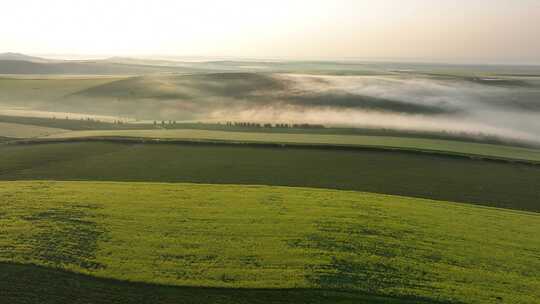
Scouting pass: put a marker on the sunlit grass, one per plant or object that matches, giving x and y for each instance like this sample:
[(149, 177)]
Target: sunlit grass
[(273, 237)]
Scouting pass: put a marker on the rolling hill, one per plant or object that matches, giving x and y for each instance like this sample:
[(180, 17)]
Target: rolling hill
[(81, 68), (23, 57), (338, 246), (14, 130), (490, 183)]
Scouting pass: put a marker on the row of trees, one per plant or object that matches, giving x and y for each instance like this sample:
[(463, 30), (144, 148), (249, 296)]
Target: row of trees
[(92, 120), (276, 125), (164, 123)]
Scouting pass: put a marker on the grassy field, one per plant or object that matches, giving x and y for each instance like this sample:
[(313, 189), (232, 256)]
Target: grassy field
[(70, 124), (271, 237), (40, 88), (91, 211), (489, 183), (84, 124), (15, 130), (437, 145), (376, 101), (51, 285)]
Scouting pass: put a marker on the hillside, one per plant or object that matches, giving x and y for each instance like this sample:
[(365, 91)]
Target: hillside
[(20, 66), (14, 130), (466, 105), (403, 142), (22, 57), (498, 184), (272, 237)]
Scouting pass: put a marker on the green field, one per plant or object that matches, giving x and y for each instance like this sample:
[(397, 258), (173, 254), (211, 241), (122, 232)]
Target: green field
[(272, 238), (95, 124), (489, 183), (86, 123), (131, 180), (61, 286), (444, 146), (31, 127), (14, 130), (35, 88)]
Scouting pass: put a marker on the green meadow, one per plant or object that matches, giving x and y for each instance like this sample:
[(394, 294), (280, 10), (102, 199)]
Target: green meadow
[(260, 237), (15, 130), (405, 143), (491, 183), (128, 180)]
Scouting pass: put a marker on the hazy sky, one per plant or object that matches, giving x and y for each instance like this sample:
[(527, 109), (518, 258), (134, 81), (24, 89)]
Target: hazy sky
[(434, 30)]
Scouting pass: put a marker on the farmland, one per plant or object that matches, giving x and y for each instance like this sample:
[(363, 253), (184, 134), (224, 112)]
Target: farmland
[(271, 238), (405, 143), (40, 88), (13, 130), (127, 180), (435, 102), (485, 182)]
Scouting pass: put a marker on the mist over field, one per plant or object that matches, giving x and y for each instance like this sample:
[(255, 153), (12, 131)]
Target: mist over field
[(413, 103), (291, 152), (506, 107)]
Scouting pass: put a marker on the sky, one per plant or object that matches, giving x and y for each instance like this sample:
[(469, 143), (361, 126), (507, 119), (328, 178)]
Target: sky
[(468, 31)]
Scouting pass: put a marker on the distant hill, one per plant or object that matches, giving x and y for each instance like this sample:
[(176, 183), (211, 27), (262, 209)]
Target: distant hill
[(16, 63), (186, 96), (22, 57), (21, 66)]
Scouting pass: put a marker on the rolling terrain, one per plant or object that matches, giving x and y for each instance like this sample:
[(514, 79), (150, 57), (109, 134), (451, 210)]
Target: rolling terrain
[(23, 66), (14, 130), (484, 182), (480, 102), (129, 180), (351, 245), (384, 142)]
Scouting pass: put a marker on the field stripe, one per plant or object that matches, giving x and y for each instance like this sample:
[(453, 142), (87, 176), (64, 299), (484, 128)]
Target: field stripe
[(500, 184), (15, 130), (429, 145)]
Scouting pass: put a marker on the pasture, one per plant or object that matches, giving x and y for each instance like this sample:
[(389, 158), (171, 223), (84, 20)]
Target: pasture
[(404, 186), (272, 238), (15, 130), (84, 123), (34, 88), (417, 102), (490, 183), (405, 143)]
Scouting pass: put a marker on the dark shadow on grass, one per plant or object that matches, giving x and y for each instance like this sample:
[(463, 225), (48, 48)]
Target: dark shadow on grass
[(37, 284), (66, 236)]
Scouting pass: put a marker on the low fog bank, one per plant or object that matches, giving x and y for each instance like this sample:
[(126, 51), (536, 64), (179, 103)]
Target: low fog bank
[(403, 103), (508, 108)]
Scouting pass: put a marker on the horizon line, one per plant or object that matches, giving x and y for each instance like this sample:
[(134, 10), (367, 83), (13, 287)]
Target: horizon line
[(210, 58)]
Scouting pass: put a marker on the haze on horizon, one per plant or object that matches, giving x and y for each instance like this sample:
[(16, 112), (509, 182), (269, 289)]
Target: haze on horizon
[(478, 31)]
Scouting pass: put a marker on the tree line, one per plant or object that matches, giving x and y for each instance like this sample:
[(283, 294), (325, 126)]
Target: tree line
[(273, 125)]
